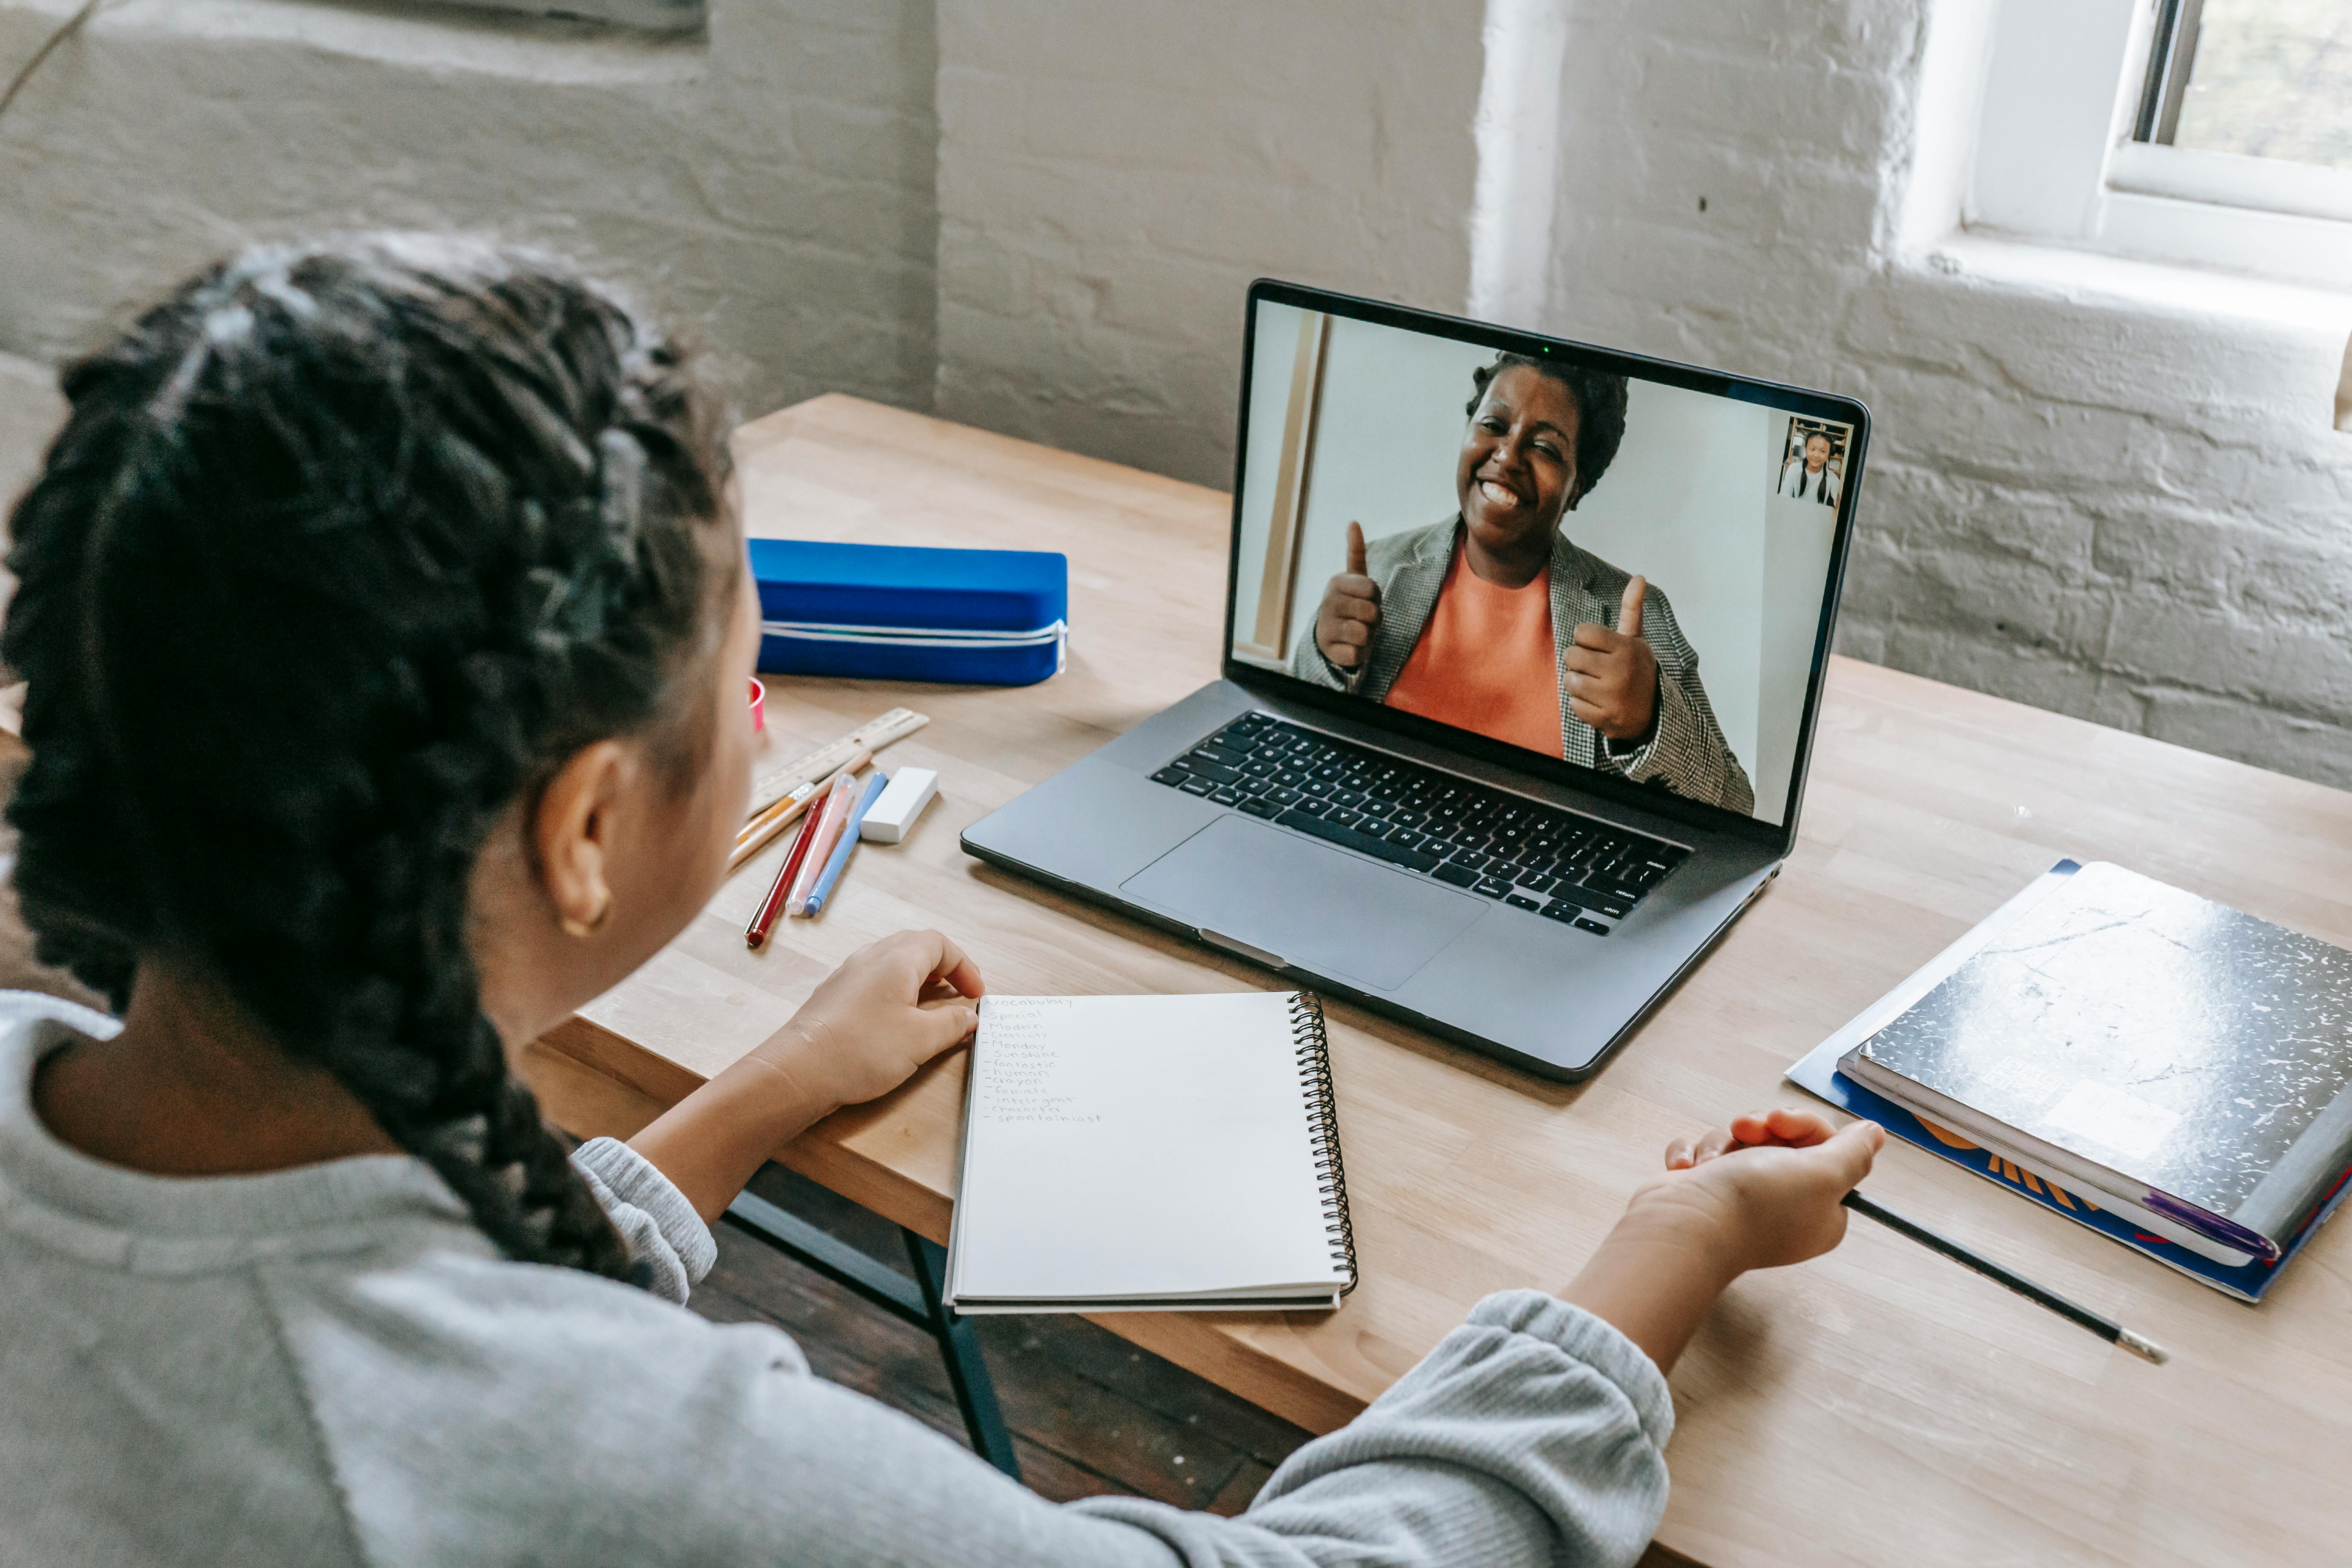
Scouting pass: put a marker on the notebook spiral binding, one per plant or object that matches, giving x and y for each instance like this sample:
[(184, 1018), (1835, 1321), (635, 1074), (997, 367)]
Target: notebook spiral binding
[(1314, 1056)]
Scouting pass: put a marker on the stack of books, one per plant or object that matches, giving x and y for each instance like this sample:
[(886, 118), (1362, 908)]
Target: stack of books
[(2162, 1069)]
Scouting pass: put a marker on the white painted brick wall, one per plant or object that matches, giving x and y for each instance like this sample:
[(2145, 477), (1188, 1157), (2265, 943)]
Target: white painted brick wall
[(771, 188), (2086, 498), (1112, 175), (2093, 495)]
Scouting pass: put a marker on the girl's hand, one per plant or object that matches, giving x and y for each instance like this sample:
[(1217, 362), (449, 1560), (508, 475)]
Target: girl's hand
[(1770, 1183), (864, 1030), (1759, 1194)]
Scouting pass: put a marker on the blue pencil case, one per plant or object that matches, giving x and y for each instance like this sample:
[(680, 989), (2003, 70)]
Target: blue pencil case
[(883, 612)]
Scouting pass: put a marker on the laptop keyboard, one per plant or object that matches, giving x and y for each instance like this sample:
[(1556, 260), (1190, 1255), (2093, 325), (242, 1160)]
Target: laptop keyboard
[(1439, 824)]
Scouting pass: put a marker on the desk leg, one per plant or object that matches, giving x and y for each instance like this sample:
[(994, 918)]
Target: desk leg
[(960, 1346), (917, 1301)]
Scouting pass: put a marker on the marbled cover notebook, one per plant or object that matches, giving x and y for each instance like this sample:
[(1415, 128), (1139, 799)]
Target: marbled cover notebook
[(2139, 1030)]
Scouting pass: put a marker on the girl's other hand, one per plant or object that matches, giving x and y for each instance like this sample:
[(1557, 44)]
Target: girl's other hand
[(862, 1032), (1759, 1194), (865, 1029), (1768, 1185)]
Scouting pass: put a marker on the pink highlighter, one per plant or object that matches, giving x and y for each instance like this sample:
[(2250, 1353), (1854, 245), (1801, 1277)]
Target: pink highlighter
[(838, 802)]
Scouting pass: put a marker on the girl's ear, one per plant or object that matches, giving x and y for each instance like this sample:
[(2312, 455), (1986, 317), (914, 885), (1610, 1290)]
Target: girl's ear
[(572, 835)]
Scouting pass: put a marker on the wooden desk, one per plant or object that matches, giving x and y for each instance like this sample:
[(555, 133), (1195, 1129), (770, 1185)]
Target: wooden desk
[(1877, 1404)]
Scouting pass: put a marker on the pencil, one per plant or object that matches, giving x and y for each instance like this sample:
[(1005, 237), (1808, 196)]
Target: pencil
[(754, 834), (2107, 1329), (787, 805), (774, 905), (779, 807)]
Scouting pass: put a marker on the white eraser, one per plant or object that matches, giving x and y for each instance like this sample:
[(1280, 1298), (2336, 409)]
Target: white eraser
[(901, 801)]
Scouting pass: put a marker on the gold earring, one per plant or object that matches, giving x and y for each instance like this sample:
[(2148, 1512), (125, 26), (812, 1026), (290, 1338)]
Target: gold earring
[(585, 929)]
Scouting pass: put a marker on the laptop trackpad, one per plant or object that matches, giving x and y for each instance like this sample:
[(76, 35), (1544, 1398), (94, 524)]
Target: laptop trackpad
[(1315, 906)]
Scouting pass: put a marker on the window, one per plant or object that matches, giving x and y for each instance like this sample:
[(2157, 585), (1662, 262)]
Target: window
[(2209, 132)]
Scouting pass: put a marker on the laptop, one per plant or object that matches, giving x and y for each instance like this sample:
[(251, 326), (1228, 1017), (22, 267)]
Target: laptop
[(1523, 650)]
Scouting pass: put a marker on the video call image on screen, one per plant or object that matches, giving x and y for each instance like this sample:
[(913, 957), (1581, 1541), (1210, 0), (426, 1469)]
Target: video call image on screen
[(1617, 571)]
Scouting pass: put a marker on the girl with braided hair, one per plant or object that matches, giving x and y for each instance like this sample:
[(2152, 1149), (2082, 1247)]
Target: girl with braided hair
[(439, 544)]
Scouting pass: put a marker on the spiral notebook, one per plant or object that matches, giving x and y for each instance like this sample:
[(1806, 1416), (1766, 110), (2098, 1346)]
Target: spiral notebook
[(1148, 1154)]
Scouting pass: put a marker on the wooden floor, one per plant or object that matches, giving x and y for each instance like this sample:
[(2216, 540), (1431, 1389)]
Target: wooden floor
[(1089, 1412)]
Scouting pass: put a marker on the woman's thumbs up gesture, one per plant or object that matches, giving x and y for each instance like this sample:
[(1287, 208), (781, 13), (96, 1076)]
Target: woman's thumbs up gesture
[(1611, 677), (1351, 611)]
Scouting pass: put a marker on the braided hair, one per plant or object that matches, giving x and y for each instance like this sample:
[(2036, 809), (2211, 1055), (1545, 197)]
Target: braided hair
[(342, 550), (1600, 409)]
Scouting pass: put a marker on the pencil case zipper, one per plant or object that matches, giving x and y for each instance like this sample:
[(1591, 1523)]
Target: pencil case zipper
[(1055, 635)]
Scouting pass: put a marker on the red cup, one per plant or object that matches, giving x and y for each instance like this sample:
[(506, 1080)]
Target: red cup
[(759, 706)]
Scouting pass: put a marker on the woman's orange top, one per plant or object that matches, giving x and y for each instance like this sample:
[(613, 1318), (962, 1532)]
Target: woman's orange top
[(1485, 661)]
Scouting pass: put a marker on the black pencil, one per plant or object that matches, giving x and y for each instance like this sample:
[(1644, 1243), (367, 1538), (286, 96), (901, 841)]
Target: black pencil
[(2107, 1329)]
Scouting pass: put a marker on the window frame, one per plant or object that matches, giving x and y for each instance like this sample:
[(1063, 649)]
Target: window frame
[(2061, 156)]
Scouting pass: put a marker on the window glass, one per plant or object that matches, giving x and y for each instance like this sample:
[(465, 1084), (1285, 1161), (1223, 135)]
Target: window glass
[(2270, 79)]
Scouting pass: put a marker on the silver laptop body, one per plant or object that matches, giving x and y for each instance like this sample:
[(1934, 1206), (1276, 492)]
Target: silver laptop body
[(1312, 817)]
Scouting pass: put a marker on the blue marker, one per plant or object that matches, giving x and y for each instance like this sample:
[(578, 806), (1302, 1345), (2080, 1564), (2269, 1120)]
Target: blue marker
[(848, 841)]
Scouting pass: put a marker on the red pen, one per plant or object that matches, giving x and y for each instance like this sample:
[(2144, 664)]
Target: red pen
[(774, 905)]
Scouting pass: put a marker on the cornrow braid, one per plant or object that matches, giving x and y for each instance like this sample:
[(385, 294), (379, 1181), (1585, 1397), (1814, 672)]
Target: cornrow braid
[(408, 522)]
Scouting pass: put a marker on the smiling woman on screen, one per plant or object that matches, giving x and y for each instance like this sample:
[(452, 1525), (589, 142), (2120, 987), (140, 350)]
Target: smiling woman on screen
[(1495, 622)]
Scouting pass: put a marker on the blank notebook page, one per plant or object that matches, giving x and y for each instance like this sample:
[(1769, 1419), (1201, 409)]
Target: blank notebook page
[(1139, 1146)]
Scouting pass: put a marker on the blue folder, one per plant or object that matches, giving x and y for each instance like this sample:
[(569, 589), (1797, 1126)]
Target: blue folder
[(883, 612)]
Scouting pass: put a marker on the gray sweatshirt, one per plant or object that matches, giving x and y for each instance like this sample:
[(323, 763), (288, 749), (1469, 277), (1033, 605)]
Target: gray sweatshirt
[(329, 1366)]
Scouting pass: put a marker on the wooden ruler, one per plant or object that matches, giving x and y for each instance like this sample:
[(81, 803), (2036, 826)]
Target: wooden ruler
[(871, 736)]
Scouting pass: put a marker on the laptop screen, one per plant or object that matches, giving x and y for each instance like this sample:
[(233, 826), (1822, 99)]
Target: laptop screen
[(1624, 566)]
